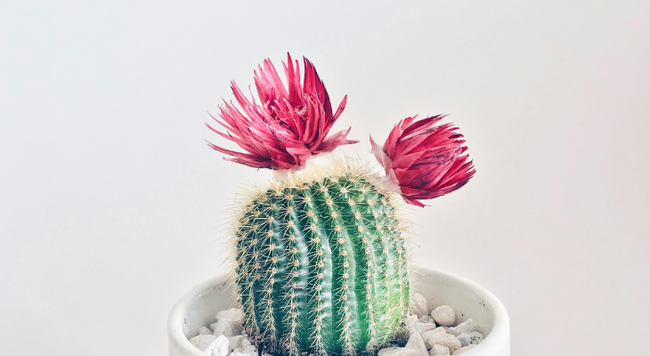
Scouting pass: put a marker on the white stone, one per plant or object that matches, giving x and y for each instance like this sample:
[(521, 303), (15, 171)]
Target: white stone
[(247, 347), (416, 342), (438, 349), (433, 338), (205, 331), (437, 330), (471, 338), (419, 304), (234, 314), (227, 327), (410, 320), (420, 328), (220, 346), (203, 342), (462, 349), (398, 351), (444, 315), (237, 353), (466, 326), (236, 343), (213, 326), (425, 319)]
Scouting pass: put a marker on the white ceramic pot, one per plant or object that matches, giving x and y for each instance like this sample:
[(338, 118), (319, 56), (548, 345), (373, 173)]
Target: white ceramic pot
[(200, 305)]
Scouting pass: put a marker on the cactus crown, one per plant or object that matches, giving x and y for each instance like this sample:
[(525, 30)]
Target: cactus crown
[(321, 263)]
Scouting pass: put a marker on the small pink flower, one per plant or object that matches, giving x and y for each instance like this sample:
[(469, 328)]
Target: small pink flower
[(423, 160), (288, 125)]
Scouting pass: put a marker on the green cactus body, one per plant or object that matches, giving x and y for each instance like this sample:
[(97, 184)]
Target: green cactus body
[(322, 266)]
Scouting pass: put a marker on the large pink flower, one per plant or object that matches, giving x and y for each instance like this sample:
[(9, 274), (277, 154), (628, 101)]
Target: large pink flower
[(288, 125), (424, 160)]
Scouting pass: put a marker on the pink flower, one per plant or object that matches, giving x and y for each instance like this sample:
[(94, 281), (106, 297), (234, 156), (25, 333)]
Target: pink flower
[(424, 160), (287, 126)]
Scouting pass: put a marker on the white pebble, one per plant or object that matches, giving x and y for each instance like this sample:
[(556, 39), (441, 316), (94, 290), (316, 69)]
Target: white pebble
[(440, 329), (438, 349), (416, 342), (432, 338), (444, 315), (462, 349), (247, 347), (220, 346), (419, 304), (398, 351), (237, 353), (227, 327), (213, 326), (410, 320), (420, 328), (205, 331), (466, 326), (202, 342), (236, 343), (431, 332), (425, 319), (234, 314), (472, 338)]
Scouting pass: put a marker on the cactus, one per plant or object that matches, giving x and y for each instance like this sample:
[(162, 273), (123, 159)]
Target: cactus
[(321, 265), (321, 258)]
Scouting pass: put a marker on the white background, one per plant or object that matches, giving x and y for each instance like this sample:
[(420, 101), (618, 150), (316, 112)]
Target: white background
[(112, 206)]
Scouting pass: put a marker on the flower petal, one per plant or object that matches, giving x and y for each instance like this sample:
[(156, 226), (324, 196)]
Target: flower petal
[(289, 124), (425, 160)]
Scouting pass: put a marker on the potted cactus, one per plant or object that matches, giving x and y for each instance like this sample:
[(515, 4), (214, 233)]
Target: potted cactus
[(321, 253)]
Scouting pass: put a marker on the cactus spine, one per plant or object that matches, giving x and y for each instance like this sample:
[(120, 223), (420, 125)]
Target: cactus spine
[(321, 266)]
